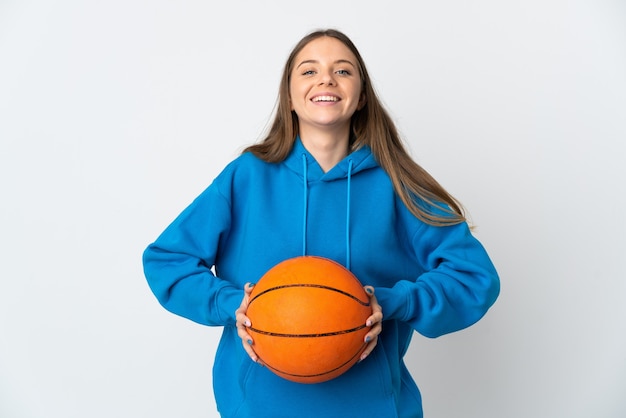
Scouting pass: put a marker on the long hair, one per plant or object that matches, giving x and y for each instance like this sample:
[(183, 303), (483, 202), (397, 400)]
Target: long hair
[(370, 126)]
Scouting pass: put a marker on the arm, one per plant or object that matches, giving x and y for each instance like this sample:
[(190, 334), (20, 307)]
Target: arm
[(178, 264), (459, 283)]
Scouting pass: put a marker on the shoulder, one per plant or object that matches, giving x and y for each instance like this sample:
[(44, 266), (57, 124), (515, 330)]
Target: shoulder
[(244, 163), (240, 171)]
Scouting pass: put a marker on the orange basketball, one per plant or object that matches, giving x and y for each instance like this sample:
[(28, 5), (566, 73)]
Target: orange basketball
[(308, 319)]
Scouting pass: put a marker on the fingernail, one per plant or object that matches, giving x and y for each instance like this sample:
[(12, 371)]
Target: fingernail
[(367, 323), (367, 339), (368, 290), (247, 323), (363, 357), (249, 342)]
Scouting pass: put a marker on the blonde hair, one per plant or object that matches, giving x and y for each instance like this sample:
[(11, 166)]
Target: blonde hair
[(370, 126)]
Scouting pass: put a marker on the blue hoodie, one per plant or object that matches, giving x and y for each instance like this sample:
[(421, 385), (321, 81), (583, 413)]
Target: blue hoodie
[(255, 214)]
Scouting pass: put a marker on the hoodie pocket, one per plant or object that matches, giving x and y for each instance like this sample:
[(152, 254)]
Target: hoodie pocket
[(363, 391), (247, 389)]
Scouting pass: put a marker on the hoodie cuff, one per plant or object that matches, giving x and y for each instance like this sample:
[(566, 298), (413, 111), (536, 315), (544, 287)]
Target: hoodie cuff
[(227, 302), (394, 301)]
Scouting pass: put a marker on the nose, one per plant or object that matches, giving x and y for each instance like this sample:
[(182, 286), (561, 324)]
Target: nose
[(327, 78)]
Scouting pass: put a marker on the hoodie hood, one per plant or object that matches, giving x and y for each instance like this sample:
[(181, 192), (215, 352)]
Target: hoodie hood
[(362, 159)]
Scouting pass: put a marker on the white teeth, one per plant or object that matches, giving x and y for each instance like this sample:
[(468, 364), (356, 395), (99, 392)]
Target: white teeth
[(325, 99)]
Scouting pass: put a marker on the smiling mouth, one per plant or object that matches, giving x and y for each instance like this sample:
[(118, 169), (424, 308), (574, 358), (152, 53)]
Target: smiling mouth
[(325, 99)]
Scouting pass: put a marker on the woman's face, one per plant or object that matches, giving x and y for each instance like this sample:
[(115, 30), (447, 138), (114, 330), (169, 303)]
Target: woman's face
[(325, 86)]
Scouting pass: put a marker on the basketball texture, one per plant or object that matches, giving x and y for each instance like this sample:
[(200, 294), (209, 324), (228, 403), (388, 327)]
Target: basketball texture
[(308, 318)]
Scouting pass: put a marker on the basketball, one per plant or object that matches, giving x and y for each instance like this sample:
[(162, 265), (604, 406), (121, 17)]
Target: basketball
[(308, 318)]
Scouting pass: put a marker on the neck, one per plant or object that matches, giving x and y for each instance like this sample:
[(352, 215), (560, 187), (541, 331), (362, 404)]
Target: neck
[(327, 148)]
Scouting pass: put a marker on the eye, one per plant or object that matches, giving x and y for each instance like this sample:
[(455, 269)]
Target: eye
[(343, 72), (308, 72)]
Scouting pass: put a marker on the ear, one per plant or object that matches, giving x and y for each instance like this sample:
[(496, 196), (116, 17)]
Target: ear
[(362, 102)]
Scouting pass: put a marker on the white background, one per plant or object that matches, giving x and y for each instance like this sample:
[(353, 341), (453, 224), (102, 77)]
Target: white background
[(114, 115)]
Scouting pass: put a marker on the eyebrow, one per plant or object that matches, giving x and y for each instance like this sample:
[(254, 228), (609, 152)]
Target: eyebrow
[(340, 61)]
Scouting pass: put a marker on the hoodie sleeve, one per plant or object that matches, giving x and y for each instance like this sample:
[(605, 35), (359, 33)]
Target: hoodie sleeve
[(178, 265), (459, 283)]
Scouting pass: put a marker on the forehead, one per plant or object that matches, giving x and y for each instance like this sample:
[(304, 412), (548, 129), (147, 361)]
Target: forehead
[(325, 48)]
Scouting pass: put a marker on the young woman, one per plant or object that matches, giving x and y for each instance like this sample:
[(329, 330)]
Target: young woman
[(331, 179)]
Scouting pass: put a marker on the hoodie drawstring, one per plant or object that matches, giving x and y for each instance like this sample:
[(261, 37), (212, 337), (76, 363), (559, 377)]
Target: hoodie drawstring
[(306, 204), (348, 215), (306, 201)]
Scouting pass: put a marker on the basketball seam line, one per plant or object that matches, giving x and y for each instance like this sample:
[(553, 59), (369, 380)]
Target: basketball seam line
[(319, 286), (324, 334), (317, 374)]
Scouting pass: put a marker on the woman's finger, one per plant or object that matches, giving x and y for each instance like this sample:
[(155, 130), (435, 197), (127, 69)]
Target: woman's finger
[(243, 322), (374, 321)]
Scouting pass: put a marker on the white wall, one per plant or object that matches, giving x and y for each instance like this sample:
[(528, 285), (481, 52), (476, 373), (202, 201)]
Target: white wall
[(114, 115)]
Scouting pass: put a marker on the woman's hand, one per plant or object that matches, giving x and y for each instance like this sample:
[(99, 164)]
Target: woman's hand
[(375, 322), (243, 321)]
